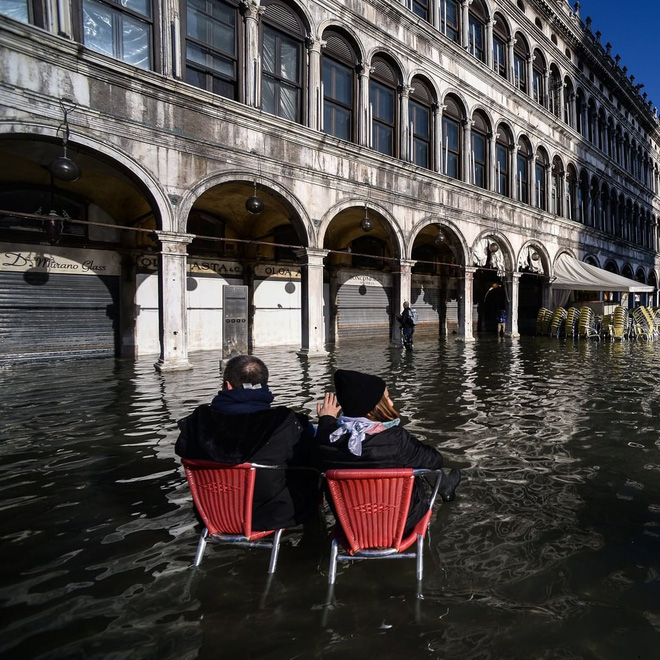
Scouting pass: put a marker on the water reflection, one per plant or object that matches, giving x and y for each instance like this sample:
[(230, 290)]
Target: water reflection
[(551, 550)]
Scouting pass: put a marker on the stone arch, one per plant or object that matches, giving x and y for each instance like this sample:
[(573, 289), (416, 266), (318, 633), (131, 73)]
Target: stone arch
[(449, 227), (299, 218)]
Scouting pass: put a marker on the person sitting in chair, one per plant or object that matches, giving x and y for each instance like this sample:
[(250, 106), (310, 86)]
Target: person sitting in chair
[(239, 426), (368, 434)]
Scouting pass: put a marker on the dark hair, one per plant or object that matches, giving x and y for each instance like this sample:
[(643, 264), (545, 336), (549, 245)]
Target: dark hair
[(245, 369)]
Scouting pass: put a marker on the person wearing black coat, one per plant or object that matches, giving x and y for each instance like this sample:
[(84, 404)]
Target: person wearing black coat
[(239, 426), (368, 435)]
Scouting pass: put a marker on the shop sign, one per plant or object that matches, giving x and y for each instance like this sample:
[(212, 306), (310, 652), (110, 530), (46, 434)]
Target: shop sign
[(195, 266), (277, 272), (22, 258), (365, 279)]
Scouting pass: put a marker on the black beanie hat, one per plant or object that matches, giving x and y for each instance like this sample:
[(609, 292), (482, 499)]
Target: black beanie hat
[(358, 393)]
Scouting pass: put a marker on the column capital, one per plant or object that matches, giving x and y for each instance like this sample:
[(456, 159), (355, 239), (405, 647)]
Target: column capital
[(315, 45), (251, 10), (311, 256), (405, 90), (173, 242), (364, 70), (406, 265)]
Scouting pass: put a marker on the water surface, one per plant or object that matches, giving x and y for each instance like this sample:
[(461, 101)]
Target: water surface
[(551, 549)]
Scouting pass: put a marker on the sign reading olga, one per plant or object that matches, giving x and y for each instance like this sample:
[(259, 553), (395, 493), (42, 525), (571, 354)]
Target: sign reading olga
[(22, 258)]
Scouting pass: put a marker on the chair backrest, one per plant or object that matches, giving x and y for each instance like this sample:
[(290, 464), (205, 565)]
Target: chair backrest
[(371, 505), (223, 495)]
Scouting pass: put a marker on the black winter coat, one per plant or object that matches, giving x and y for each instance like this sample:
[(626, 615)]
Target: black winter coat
[(392, 448), (276, 436)]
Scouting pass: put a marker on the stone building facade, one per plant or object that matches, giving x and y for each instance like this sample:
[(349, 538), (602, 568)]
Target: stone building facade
[(335, 158)]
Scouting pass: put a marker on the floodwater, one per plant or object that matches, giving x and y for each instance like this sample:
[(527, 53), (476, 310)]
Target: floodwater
[(550, 550)]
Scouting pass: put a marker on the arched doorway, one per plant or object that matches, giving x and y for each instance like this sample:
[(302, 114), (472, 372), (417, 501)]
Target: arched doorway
[(70, 237)]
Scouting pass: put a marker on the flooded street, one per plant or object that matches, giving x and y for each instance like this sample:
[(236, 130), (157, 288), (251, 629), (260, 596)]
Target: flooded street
[(550, 550)]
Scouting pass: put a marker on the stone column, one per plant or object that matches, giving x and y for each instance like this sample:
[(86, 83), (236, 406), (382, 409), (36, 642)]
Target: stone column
[(438, 152), (364, 125), (513, 290), (405, 150), (489, 43), (251, 14), (172, 309), (465, 24), (493, 182), (510, 56), (465, 332), (513, 172), (546, 90), (467, 151), (402, 290), (560, 100), (313, 323), (530, 75), (315, 98)]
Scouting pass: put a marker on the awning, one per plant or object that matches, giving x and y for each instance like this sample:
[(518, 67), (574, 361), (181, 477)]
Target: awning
[(576, 275)]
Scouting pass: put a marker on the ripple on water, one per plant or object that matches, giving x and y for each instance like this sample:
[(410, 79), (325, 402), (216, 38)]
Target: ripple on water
[(556, 523)]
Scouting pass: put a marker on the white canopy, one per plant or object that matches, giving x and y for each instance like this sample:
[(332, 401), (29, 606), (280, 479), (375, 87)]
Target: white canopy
[(573, 274)]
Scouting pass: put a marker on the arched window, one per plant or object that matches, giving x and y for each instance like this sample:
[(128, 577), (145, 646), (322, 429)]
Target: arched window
[(540, 177), (421, 124), (282, 62), (520, 59), (611, 138), (538, 78), (500, 51), (626, 152), (583, 198), (621, 217), (602, 130), (569, 98), (594, 203), (477, 30), (571, 193), (502, 150), (383, 107), (613, 208), (619, 145), (522, 170), (554, 91), (591, 121), (449, 19), (605, 218), (212, 46), (556, 196), (339, 85), (480, 150), (580, 111), (452, 137)]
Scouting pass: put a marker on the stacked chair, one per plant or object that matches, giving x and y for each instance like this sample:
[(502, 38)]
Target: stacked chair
[(557, 322), (571, 322), (620, 323), (587, 328), (543, 319)]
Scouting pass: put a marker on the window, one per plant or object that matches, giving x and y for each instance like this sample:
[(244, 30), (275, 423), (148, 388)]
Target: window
[(500, 39), (27, 11), (451, 131), (382, 100), (477, 31), (449, 19), (202, 224), (502, 150), (540, 169), (338, 87), (571, 193), (421, 8), (421, 116), (211, 48), (538, 82), (281, 61), (579, 113), (554, 92), (479, 163), (569, 96), (122, 29), (520, 58), (522, 172), (555, 193)]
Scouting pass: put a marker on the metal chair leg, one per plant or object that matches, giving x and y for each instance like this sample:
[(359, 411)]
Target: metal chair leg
[(201, 547), (420, 557), (275, 551), (332, 574)]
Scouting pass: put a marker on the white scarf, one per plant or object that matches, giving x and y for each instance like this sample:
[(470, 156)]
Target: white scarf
[(358, 427)]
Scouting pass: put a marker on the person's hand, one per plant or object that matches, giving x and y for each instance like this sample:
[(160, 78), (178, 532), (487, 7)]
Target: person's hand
[(328, 406)]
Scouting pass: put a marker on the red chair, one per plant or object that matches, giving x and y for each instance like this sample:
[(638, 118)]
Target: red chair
[(371, 507), (223, 497)]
